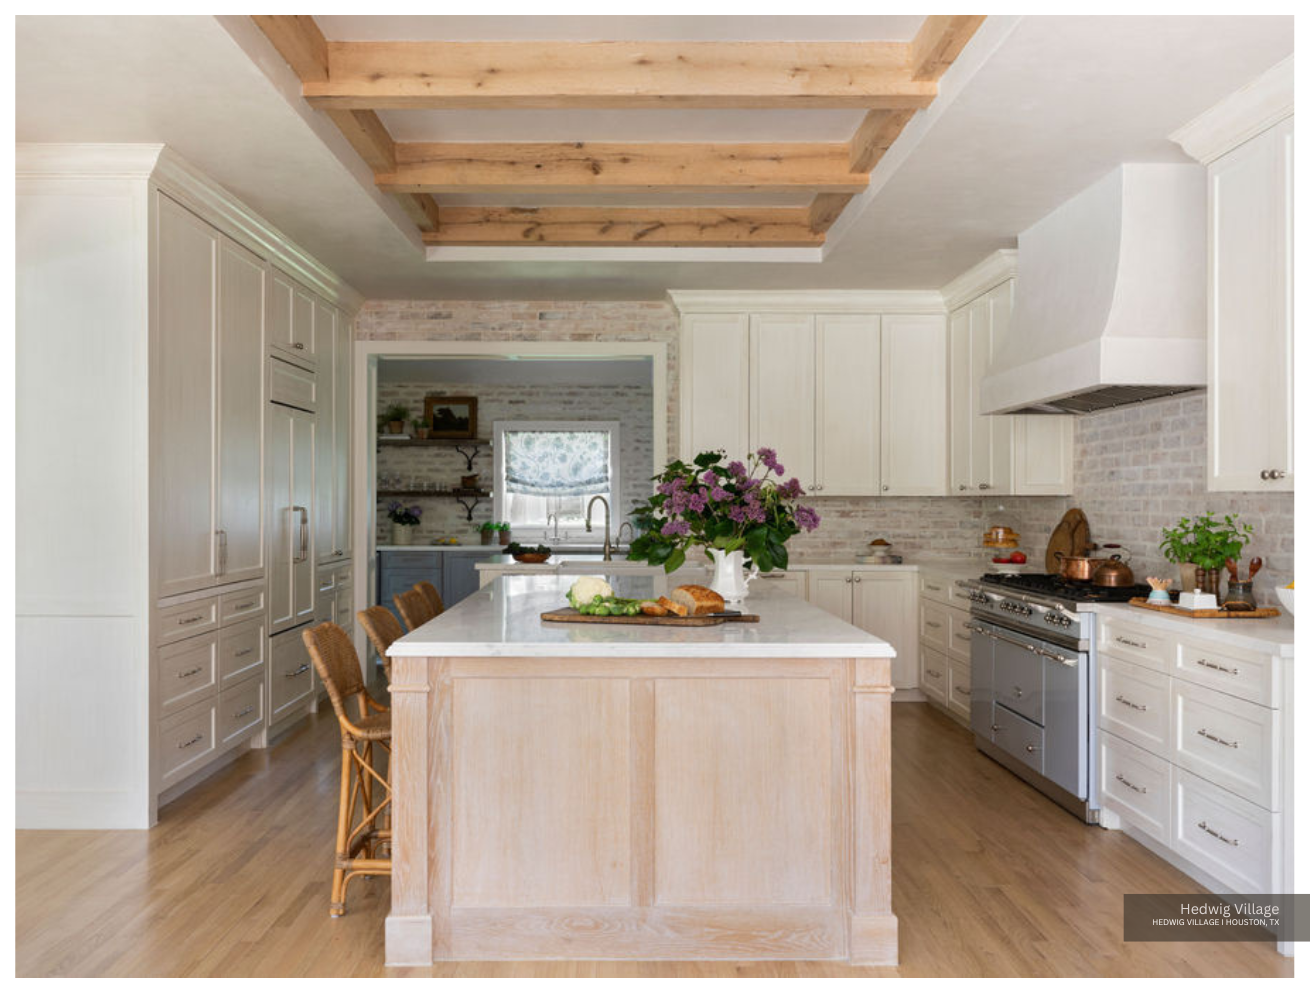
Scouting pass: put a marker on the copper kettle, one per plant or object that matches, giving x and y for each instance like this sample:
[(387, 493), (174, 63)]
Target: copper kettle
[(1113, 571)]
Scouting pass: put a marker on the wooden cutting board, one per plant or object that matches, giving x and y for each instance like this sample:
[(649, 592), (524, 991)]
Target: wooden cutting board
[(1229, 615), (570, 616), (1070, 537)]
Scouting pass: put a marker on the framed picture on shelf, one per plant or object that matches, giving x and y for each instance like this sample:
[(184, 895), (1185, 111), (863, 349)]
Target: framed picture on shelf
[(451, 417)]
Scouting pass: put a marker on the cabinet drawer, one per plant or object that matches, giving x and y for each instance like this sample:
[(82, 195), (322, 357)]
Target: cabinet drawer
[(934, 625), (1228, 837), (1135, 785), (1019, 737), (184, 620), (327, 580), (240, 651), (240, 709), (1248, 675), (293, 386), (934, 587), (959, 639), (233, 607), (1134, 704), (1228, 741), (290, 674), (934, 675), (960, 688), (1017, 680), (425, 560), (185, 741), (1136, 643), (186, 672)]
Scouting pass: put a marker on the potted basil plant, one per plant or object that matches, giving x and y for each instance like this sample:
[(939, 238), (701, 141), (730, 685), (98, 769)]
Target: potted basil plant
[(1205, 544)]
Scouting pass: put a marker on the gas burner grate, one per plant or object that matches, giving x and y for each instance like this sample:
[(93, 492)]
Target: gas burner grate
[(1053, 585)]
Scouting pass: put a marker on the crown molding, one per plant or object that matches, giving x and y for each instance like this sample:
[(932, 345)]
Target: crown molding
[(1240, 116), (172, 174), (807, 301), (988, 274)]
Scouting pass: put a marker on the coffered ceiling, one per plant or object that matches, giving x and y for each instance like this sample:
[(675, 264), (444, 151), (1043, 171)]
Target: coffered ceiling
[(572, 187)]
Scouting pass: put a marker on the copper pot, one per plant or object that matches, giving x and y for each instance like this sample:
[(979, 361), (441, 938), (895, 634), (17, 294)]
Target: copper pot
[(1078, 568), (1114, 571)]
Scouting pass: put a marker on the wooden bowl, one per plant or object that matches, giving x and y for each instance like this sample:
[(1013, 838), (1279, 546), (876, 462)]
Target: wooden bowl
[(531, 558)]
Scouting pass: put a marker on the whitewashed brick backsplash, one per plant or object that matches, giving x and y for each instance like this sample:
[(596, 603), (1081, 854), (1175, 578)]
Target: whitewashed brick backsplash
[(1136, 469), (425, 467)]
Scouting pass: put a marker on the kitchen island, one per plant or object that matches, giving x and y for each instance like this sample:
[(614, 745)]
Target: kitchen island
[(589, 791)]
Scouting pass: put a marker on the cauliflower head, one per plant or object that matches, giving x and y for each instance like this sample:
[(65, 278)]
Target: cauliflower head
[(587, 588)]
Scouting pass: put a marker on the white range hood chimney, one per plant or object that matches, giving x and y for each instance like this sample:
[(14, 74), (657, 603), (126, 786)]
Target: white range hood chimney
[(1110, 305)]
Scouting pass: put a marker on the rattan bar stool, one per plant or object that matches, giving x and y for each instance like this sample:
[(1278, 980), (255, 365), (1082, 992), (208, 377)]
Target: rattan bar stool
[(358, 844), (382, 629), (414, 608), (433, 597)]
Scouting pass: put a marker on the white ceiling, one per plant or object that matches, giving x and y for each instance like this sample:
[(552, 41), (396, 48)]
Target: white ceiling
[(517, 372), (1060, 102)]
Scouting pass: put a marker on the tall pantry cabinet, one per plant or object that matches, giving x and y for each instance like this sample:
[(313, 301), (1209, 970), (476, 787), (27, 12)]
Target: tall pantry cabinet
[(147, 620)]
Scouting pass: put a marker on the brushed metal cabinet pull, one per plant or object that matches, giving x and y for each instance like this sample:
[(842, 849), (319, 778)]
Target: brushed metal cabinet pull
[(931, 624), (1128, 703), (1215, 665), (1215, 738), (188, 744), (1128, 641), (1211, 831), (934, 673), (1131, 786), (243, 653), (242, 713), (189, 673), (304, 667)]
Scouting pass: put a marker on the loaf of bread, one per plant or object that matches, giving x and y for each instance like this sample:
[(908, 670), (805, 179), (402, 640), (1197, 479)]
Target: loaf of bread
[(698, 599), (653, 609), (673, 608)]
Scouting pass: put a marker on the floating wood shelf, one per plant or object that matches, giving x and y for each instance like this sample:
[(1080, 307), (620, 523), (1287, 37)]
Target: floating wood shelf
[(467, 447), (463, 496)]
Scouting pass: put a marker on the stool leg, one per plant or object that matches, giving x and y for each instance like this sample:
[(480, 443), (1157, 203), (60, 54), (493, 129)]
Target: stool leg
[(368, 792), (338, 905)]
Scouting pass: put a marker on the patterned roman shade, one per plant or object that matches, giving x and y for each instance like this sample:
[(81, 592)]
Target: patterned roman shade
[(557, 463)]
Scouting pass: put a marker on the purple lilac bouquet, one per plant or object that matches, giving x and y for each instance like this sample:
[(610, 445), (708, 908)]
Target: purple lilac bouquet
[(404, 515), (732, 506)]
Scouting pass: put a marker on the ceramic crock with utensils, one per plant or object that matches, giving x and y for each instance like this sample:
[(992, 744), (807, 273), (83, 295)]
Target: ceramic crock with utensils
[(1241, 595)]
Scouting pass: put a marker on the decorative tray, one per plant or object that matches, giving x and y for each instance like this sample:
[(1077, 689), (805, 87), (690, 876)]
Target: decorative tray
[(1233, 615), (571, 616)]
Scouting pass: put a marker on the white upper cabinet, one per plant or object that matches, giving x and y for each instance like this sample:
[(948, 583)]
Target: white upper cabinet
[(913, 407), (342, 363), (847, 387), (291, 319), (782, 391), (1029, 455), (240, 414), (715, 384), (186, 400), (1250, 315)]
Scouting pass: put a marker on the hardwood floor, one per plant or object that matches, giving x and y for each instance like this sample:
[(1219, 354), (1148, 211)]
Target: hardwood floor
[(989, 879)]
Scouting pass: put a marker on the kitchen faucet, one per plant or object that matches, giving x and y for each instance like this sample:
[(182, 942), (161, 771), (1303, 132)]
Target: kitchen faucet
[(608, 548), (618, 535), (548, 520)]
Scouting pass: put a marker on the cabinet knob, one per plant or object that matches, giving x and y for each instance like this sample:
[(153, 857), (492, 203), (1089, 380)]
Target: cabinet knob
[(1276, 474), (885, 487), (984, 486), (963, 487), (298, 344)]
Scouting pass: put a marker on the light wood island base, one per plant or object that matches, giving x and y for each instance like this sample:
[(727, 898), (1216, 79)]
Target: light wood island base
[(641, 808)]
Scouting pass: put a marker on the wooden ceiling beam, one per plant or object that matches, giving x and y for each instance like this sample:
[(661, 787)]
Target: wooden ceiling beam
[(698, 227), (299, 41), (537, 167), (603, 74), (874, 136), (939, 42), (825, 209)]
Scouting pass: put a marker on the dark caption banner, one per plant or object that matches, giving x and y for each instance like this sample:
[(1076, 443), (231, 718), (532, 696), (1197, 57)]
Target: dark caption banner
[(1211, 917)]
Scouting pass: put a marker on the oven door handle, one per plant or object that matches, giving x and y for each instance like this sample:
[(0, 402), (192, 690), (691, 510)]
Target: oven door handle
[(1062, 659), (1018, 644)]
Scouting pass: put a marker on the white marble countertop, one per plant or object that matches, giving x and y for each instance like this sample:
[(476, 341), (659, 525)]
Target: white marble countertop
[(466, 549), (1275, 635), (961, 567), (504, 620)]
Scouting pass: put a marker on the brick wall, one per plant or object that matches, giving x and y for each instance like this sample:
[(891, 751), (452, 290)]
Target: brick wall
[(1136, 469), (1140, 468), (422, 468)]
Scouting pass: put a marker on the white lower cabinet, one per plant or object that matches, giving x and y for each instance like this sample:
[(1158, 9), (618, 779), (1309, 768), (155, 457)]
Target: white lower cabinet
[(944, 670), (935, 676), (794, 582), (240, 709), (884, 603), (957, 700), (1197, 769), (290, 676), (186, 741)]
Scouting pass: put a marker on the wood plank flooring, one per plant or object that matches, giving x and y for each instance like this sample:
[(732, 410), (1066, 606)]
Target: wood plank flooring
[(989, 879)]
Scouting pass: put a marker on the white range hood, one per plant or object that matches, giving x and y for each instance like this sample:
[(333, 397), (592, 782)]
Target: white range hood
[(1110, 305)]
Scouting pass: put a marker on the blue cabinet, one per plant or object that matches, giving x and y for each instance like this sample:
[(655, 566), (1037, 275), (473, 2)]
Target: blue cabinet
[(454, 574)]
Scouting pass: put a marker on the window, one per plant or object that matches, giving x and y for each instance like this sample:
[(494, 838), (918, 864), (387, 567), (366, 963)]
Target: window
[(548, 471)]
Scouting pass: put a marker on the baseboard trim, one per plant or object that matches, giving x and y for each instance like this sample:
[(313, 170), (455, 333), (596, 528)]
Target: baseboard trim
[(408, 940)]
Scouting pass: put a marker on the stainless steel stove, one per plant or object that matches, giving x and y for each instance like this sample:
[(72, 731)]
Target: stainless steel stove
[(1033, 661)]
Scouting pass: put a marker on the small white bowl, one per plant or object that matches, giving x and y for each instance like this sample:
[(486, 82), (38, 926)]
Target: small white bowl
[(1285, 598)]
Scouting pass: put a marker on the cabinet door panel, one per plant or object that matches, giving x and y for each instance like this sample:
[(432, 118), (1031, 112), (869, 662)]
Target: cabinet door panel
[(241, 413), (999, 428), (913, 405), (715, 384), (290, 488), (341, 399), (980, 429), (1250, 339), (325, 433), (847, 386), (886, 604), (185, 404), (1043, 455), (782, 390), (302, 493), (831, 591), (961, 401)]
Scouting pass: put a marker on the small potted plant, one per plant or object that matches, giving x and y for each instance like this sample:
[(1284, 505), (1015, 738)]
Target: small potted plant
[(1205, 544), (502, 531), (404, 522), (488, 531), (420, 429), (394, 418)]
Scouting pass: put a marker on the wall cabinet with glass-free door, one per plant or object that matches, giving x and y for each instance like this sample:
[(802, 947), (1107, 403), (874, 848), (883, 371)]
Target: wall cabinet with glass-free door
[(1028, 455)]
